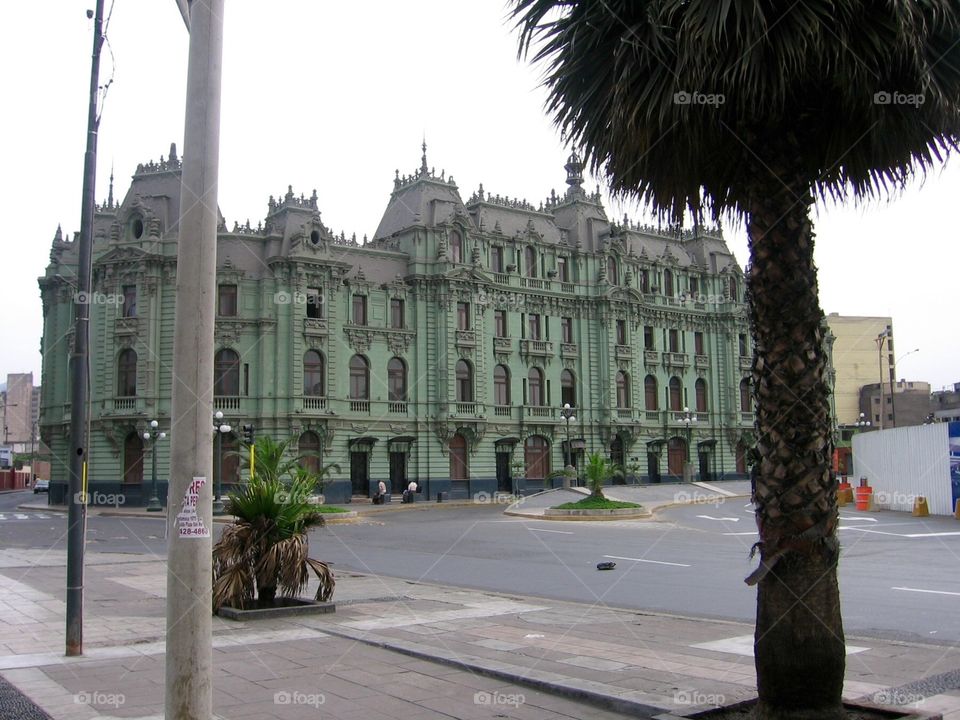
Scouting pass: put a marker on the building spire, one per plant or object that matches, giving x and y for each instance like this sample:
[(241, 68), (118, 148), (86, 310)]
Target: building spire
[(423, 158), (110, 195), (574, 168)]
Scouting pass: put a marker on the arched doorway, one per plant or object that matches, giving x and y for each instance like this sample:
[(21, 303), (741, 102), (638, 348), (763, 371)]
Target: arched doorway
[(536, 455), (617, 457), (741, 456), (133, 459), (459, 467), (676, 456)]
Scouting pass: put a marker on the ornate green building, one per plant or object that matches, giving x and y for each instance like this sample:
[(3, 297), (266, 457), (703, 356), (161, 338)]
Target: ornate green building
[(441, 350)]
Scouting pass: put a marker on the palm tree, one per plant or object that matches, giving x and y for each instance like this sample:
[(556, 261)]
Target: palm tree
[(758, 108), (599, 472)]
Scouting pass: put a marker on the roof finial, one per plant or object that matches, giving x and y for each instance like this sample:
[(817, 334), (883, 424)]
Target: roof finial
[(110, 194), (423, 158)]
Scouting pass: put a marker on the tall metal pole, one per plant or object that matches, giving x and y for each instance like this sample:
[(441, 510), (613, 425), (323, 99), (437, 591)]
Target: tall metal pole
[(76, 499), (189, 658)]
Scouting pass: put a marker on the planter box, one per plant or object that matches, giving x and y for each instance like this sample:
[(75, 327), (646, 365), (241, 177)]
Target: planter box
[(280, 608), (611, 514), (857, 711)]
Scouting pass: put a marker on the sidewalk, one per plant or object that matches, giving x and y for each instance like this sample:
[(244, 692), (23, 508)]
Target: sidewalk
[(406, 650)]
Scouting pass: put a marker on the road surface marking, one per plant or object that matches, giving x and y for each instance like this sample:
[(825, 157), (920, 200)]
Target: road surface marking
[(655, 562), (743, 645), (710, 517), (752, 532), (903, 535), (854, 517), (931, 592), (714, 488), (561, 532)]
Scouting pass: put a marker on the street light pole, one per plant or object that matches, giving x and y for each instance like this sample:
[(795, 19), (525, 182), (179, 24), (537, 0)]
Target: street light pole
[(569, 415), (220, 428), (688, 419), (152, 435), (880, 338)]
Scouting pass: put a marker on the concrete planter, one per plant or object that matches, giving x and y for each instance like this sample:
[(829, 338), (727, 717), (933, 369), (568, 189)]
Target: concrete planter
[(280, 608), (612, 514), (744, 711)]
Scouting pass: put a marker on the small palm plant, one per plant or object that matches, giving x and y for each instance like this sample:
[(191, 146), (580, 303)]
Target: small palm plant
[(265, 550), (599, 471)]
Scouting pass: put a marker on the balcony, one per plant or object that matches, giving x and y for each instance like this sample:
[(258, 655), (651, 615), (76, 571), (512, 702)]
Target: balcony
[(625, 413), (469, 409), (398, 407), (701, 362), (746, 417), (540, 412), (652, 415), (746, 362), (126, 325), (314, 403), (501, 278), (534, 283), (542, 348), (360, 406), (466, 338), (651, 357), (124, 405), (623, 352), (226, 402), (569, 350), (675, 360), (567, 288), (502, 411)]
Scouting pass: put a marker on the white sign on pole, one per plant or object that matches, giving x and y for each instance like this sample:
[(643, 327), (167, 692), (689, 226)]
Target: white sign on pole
[(189, 523)]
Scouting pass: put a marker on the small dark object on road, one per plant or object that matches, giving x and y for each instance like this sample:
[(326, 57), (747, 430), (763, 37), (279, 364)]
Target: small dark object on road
[(606, 566)]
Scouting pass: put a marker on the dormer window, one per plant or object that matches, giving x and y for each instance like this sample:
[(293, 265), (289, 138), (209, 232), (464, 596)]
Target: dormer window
[(612, 270), (530, 262), (456, 247), (136, 227)]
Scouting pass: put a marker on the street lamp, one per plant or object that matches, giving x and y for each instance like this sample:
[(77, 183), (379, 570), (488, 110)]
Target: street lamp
[(568, 415), (221, 429), (880, 338), (862, 422), (688, 419), (153, 435)]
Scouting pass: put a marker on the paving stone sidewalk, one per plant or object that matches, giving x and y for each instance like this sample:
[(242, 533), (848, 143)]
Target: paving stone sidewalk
[(400, 649)]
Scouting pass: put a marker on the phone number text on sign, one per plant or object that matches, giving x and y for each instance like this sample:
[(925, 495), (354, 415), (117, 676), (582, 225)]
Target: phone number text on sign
[(189, 523)]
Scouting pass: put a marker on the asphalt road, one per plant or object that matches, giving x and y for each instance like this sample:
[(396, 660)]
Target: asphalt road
[(898, 574)]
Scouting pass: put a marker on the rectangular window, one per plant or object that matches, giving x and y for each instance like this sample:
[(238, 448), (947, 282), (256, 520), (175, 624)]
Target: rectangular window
[(743, 345), (396, 313), (314, 303), (359, 309), (621, 332), (500, 323), (674, 341), (129, 301), (246, 379), (566, 330), (694, 288), (463, 316), (496, 259), (227, 301), (645, 281), (562, 273), (533, 321), (698, 343), (648, 342)]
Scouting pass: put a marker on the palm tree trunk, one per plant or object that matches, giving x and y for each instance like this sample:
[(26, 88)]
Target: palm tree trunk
[(799, 645)]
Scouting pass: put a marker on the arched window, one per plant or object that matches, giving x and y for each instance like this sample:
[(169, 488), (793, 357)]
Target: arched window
[(734, 289), (359, 378), (568, 389), (459, 460), (464, 375), (226, 373), (668, 283), (127, 373), (456, 247), (650, 393), (133, 459), (397, 380), (309, 445), (701, 391), (535, 387), (313, 374), (623, 389), (501, 385), (530, 262), (746, 404), (612, 277), (676, 394), (536, 454)]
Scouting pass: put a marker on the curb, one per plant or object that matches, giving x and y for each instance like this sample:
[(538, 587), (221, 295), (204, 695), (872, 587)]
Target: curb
[(588, 691), (332, 518)]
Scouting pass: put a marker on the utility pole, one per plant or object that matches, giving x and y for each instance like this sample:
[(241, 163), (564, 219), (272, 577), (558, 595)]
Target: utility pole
[(79, 363), (189, 659)]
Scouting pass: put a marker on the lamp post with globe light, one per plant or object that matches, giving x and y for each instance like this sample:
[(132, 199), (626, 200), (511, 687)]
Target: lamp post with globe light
[(221, 429), (569, 415), (152, 435), (688, 419)]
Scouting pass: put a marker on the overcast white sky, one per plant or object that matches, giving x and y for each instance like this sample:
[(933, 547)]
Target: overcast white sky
[(336, 96)]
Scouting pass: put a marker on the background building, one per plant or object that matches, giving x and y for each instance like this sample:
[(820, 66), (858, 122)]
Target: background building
[(442, 349), (945, 404), (21, 403), (857, 360), (910, 405)]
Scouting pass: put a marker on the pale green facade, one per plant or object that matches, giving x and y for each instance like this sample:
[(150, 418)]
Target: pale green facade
[(490, 312)]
